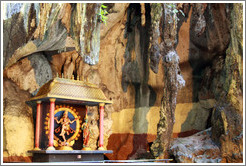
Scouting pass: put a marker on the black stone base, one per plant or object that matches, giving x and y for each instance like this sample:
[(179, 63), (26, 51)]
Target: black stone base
[(68, 155)]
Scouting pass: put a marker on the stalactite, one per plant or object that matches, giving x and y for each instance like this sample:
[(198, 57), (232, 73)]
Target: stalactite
[(52, 28), (173, 81), (87, 32), (156, 17)]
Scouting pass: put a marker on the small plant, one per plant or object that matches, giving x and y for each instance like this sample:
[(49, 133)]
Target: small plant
[(102, 13), (175, 11)]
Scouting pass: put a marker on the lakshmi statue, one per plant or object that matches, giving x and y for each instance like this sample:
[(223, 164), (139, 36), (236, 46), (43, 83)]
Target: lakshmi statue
[(86, 134)]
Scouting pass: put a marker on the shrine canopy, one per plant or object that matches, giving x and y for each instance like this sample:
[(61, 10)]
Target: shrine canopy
[(71, 91)]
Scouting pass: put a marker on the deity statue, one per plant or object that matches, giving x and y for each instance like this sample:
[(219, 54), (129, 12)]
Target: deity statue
[(86, 133), (65, 125)]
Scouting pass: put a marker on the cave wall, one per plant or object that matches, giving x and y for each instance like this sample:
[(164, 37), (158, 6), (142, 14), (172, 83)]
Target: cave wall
[(30, 72), (215, 44), (124, 69)]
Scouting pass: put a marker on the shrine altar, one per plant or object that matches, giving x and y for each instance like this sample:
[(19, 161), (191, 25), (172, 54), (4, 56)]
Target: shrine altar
[(62, 128)]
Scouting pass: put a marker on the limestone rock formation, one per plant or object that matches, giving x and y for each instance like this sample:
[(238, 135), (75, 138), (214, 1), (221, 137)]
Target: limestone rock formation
[(225, 83), (228, 115), (45, 28), (198, 148), (173, 81), (17, 121), (227, 132)]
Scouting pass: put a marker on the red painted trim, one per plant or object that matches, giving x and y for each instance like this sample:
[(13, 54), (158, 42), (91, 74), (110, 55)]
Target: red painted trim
[(51, 128), (37, 126), (101, 109)]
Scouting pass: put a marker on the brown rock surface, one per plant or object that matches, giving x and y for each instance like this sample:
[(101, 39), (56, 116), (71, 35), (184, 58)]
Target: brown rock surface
[(23, 75), (227, 131), (17, 121), (185, 94), (17, 159), (129, 145), (226, 85)]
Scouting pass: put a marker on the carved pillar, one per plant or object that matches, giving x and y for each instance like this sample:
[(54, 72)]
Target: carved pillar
[(101, 111), (37, 133), (51, 127)]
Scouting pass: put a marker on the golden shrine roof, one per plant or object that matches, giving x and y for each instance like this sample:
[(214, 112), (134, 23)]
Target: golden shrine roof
[(68, 89)]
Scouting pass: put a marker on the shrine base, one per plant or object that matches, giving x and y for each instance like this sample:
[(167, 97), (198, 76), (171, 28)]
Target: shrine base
[(68, 155)]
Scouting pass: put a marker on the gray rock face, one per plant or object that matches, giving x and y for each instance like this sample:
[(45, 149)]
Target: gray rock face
[(14, 36), (42, 69), (136, 67)]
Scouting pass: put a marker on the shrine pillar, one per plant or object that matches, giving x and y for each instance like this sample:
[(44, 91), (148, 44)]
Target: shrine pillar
[(51, 126), (37, 132), (101, 112)]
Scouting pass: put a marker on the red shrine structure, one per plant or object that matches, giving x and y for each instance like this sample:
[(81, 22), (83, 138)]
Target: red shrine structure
[(61, 134)]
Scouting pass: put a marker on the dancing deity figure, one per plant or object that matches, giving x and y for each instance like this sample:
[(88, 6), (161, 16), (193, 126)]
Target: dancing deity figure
[(65, 125)]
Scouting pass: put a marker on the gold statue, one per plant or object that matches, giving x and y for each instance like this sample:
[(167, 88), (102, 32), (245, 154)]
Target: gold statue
[(66, 127)]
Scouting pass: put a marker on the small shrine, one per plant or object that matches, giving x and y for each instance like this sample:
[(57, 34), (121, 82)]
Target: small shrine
[(62, 130)]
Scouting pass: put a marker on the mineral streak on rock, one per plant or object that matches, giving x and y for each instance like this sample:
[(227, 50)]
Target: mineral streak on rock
[(143, 19), (86, 31)]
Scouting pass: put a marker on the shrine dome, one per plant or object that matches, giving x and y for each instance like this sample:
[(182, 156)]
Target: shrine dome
[(72, 91)]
